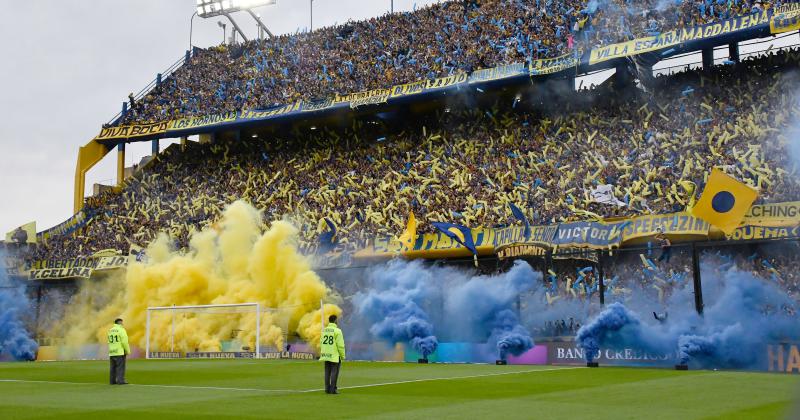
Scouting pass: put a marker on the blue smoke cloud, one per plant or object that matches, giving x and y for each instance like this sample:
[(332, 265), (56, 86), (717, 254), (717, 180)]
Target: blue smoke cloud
[(485, 304), (615, 324), (15, 340), (708, 347), (510, 336), (748, 313), (743, 313), (472, 308), (394, 305)]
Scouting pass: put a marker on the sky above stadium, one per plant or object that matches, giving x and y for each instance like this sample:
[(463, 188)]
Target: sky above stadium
[(68, 65)]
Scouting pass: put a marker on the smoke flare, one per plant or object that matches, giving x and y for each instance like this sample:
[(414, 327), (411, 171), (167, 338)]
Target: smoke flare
[(742, 314), (15, 340), (511, 337), (393, 302), (237, 261), (473, 308)]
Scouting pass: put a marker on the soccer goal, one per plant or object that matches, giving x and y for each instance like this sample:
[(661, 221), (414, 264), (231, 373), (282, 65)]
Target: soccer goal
[(240, 330)]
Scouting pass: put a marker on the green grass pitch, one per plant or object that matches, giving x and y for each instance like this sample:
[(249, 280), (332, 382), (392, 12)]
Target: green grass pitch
[(216, 389)]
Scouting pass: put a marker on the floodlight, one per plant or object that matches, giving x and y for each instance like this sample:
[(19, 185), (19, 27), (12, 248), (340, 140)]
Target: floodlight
[(211, 8)]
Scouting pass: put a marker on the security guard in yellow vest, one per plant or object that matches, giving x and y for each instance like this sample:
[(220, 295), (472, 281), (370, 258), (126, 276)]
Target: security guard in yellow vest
[(331, 351), (118, 348)]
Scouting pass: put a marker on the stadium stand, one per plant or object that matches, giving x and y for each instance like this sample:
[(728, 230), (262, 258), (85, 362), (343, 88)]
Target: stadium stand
[(394, 49), (467, 166)]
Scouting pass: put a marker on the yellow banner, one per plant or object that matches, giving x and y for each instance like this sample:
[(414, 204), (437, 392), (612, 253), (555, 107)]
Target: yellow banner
[(433, 245), (447, 81), (131, 131), (678, 36), (315, 105), (273, 112), (524, 250), (497, 73), (377, 99), (515, 235), (75, 268), (423, 86), (778, 214), (358, 96), (554, 65), (748, 233), (203, 121), (409, 89), (785, 19), (670, 224)]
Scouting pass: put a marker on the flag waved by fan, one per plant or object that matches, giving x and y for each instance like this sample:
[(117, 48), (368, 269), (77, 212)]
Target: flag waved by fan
[(724, 201)]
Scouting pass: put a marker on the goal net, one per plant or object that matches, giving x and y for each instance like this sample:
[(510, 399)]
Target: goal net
[(242, 330)]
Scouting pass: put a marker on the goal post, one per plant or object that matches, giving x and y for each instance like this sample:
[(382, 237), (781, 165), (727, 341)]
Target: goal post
[(192, 312)]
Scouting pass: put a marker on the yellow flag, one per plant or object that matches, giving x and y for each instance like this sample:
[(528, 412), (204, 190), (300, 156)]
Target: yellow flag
[(724, 202), (23, 234), (690, 188), (409, 236)]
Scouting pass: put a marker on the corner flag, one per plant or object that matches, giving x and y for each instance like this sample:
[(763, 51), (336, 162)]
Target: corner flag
[(724, 201)]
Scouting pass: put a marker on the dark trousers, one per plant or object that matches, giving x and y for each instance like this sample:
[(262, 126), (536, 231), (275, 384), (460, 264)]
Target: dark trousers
[(331, 376), (666, 253), (117, 370)]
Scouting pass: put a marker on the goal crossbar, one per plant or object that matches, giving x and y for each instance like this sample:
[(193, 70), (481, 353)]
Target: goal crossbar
[(222, 305), (191, 307)]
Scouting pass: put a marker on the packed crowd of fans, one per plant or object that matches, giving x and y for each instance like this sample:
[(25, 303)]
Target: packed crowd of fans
[(434, 41), (651, 274), (622, 20), (560, 327), (466, 166)]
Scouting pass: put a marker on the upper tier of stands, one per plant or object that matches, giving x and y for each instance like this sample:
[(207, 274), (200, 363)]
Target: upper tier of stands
[(393, 49)]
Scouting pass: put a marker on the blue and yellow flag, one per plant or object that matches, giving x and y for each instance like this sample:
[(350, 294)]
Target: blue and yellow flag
[(724, 202), (458, 233), (521, 217), (409, 236)]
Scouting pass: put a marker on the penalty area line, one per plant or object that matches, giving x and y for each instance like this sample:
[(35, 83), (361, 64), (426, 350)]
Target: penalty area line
[(450, 378)]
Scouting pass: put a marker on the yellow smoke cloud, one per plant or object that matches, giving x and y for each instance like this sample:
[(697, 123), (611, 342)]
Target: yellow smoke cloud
[(238, 261)]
